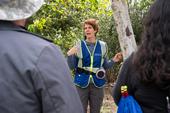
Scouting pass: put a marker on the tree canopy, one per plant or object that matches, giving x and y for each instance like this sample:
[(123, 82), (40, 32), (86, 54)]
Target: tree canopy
[(61, 21)]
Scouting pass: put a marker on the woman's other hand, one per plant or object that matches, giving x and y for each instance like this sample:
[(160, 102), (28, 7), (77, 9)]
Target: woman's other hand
[(118, 57), (72, 51)]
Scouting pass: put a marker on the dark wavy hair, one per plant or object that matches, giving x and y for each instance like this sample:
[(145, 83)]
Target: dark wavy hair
[(152, 58)]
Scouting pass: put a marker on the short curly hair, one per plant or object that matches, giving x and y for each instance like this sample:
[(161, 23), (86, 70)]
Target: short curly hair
[(93, 23)]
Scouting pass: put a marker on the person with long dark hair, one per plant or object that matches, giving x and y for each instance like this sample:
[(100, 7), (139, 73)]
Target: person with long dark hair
[(147, 71)]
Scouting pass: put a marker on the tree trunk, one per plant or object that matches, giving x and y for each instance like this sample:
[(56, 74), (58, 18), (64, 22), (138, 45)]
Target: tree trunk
[(123, 27)]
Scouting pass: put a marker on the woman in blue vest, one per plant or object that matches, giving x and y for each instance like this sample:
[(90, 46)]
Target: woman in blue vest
[(88, 58)]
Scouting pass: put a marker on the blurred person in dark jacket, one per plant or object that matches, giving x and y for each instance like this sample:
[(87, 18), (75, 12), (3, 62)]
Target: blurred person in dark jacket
[(34, 76)]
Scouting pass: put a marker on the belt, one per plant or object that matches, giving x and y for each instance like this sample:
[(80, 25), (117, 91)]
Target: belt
[(81, 70)]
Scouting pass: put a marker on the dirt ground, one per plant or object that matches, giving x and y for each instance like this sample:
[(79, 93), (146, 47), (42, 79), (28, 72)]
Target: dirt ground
[(108, 102)]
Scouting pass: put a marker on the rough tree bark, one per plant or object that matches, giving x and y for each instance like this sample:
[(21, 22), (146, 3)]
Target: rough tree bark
[(123, 27)]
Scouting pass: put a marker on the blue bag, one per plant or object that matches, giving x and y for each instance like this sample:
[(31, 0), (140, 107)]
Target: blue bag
[(127, 103)]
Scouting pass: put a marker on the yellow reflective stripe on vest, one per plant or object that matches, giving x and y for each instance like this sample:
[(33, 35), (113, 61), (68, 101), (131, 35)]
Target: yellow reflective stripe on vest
[(91, 65), (91, 58)]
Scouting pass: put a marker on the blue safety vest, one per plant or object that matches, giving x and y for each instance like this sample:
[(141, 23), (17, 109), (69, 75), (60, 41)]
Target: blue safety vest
[(90, 62)]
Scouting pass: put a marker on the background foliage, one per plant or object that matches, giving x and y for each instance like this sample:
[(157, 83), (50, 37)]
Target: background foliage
[(61, 22)]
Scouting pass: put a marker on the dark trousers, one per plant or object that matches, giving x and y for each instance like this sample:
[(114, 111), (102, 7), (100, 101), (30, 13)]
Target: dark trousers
[(92, 95)]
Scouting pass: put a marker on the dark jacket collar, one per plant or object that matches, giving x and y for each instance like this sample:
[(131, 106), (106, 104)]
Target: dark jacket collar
[(8, 25)]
